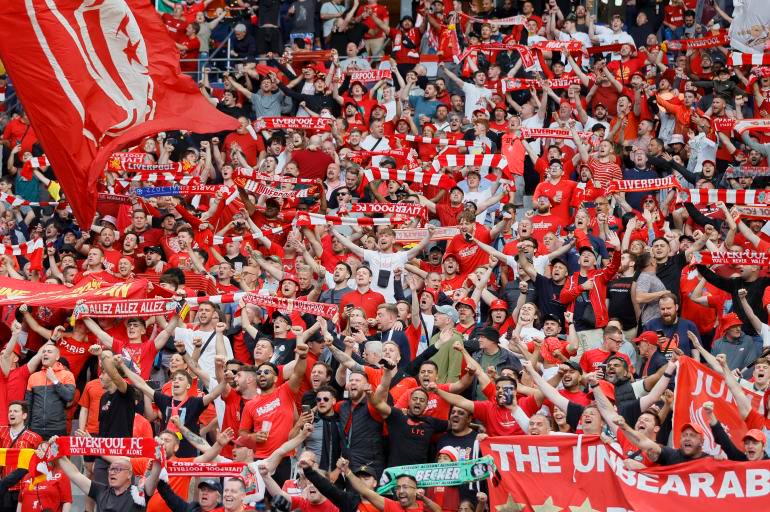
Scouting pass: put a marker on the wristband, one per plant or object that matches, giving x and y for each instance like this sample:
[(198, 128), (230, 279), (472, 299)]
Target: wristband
[(669, 375), (592, 386)]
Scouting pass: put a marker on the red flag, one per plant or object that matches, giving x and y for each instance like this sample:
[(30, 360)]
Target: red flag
[(95, 77)]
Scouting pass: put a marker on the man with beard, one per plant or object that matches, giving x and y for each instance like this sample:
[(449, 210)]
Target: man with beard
[(339, 283), (674, 329), (268, 417), (460, 436), (427, 379), (690, 445), (410, 432), (469, 255), (363, 296), (361, 425), (406, 493), (558, 190), (325, 440), (593, 359), (647, 342), (208, 320), (311, 500), (241, 388), (451, 279), (387, 314)]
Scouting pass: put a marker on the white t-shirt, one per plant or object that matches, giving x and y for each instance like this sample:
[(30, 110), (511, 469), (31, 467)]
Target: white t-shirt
[(379, 261), (331, 8), (607, 36), (207, 359), (474, 98), (374, 144)]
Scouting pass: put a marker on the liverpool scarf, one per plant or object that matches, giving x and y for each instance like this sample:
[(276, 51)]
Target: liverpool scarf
[(678, 45), (405, 236), (410, 210), (112, 446), (127, 308), (747, 171), (22, 249), (443, 474), (261, 189), (728, 196), (180, 190), (370, 75), (524, 84), (411, 176), (459, 143), (732, 258), (755, 212), (316, 219), (205, 469), (219, 239), (571, 46), (401, 155), (18, 201), (643, 185), (290, 305), (247, 172), (319, 56), (295, 123), (118, 161), (500, 22), (554, 133), (527, 59), (752, 125)]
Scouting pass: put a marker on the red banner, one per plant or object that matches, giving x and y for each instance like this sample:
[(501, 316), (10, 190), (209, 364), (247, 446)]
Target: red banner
[(370, 75), (301, 306), (15, 291), (411, 210), (94, 79), (322, 124), (582, 474), (697, 384), (110, 446), (751, 171), (752, 125)]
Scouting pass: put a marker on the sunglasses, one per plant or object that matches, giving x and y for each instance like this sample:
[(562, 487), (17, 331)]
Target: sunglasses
[(264, 372), (322, 399)]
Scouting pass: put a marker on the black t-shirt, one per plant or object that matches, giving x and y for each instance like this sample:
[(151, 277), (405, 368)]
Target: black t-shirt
[(107, 501), (670, 272), (669, 457), (630, 411), (410, 437), (583, 303), (283, 352), (548, 297), (116, 413), (188, 410), (620, 304)]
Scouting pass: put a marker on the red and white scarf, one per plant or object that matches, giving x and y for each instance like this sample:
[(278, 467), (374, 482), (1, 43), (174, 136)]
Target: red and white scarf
[(118, 161), (459, 143), (205, 469), (284, 304), (322, 124), (752, 125), (219, 239), (403, 155), (126, 308), (18, 201), (554, 133), (23, 249), (571, 46), (750, 59), (524, 84), (175, 167), (483, 161), (405, 236), (259, 188), (643, 185), (411, 176), (247, 172), (100, 446), (369, 75), (500, 22), (316, 219), (732, 258), (721, 39), (710, 195), (750, 171), (754, 212), (409, 210), (527, 59), (36, 162)]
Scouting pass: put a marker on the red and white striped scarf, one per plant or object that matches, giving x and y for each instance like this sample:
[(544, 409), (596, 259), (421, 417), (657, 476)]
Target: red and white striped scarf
[(408, 210), (483, 161), (403, 155), (205, 469), (411, 176), (18, 201), (750, 171), (710, 195), (219, 239), (752, 125), (118, 161), (527, 59), (23, 249), (246, 172), (416, 234), (282, 303), (175, 167), (749, 59), (459, 143), (316, 219), (555, 133)]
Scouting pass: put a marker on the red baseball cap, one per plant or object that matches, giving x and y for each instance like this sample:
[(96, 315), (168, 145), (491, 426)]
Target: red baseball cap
[(697, 428), (647, 337), (466, 301), (756, 435), (432, 292), (498, 304)]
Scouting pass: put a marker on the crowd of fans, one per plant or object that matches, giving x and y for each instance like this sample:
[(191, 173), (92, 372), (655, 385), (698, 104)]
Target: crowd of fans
[(550, 304)]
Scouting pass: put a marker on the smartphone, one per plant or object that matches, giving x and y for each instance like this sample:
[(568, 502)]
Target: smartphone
[(508, 395), (660, 333), (305, 409)]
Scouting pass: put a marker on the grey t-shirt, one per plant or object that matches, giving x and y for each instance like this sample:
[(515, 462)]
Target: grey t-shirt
[(649, 283), (267, 105)]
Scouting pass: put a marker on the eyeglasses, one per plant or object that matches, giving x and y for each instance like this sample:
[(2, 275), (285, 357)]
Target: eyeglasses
[(116, 469), (616, 340), (342, 194), (264, 372), (322, 399)]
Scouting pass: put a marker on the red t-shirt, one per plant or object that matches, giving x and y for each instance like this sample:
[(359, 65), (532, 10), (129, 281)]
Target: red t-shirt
[(542, 224), (394, 506), (142, 354), (176, 28), (299, 503), (249, 146), (75, 352), (311, 164), (378, 10), (92, 395), (437, 407), (367, 301), (603, 172), (469, 254), (447, 214), (278, 408), (561, 207), (498, 420), (593, 358), (12, 388), (49, 494)]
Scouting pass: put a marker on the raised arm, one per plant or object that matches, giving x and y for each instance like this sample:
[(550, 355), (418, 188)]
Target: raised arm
[(100, 334), (378, 399), (298, 375), (452, 399), (549, 391), (365, 492), (358, 251), (741, 400), (219, 368)]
